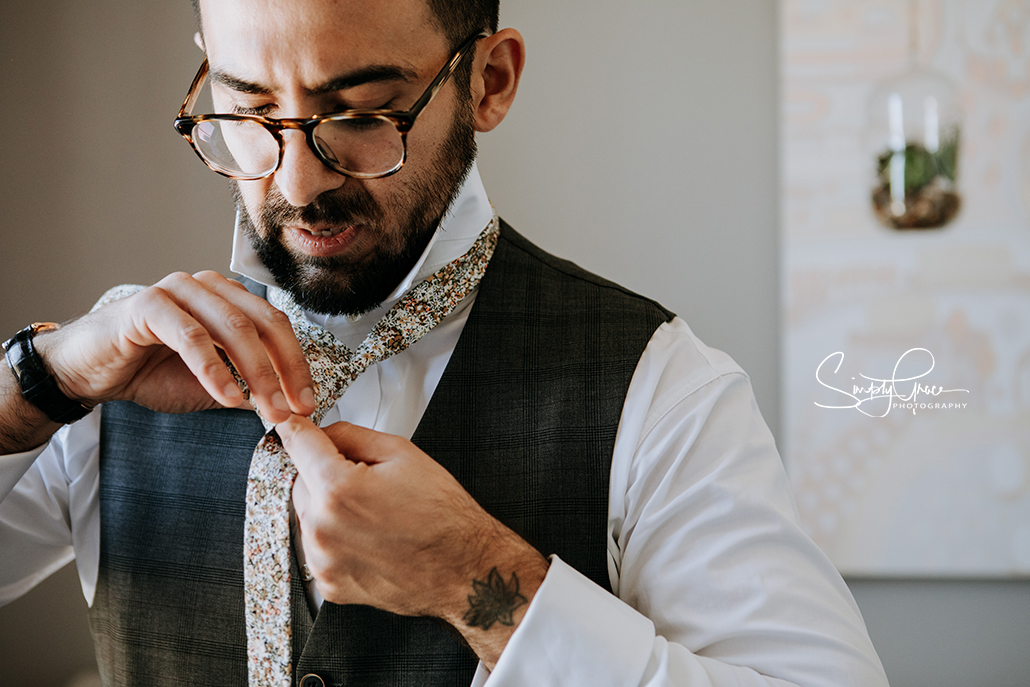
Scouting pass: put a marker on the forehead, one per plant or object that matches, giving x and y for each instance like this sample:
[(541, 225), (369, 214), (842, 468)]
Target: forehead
[(287, 43)]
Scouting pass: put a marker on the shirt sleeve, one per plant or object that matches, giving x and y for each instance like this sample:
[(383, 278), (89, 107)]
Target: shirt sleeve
[(715, 582), (13, 466), (49, 512)]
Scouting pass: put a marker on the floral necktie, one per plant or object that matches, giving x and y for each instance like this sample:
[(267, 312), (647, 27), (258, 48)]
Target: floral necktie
[(272, 474)]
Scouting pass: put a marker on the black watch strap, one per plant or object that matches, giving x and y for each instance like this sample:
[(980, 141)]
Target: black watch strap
[(38, 386)]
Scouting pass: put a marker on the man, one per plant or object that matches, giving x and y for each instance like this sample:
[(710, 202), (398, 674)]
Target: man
[(558, 471)]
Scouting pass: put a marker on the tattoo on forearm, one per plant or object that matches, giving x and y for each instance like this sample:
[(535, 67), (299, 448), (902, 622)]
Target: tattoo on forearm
[(494, 601)]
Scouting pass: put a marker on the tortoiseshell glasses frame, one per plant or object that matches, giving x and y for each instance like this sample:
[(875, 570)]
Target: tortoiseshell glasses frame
[(341, 140)]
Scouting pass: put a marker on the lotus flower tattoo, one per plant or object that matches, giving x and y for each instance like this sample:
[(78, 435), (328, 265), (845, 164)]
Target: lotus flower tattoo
[(493, 601)]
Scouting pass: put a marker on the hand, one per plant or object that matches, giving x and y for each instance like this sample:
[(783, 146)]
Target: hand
[(163, 348), (383, 524)]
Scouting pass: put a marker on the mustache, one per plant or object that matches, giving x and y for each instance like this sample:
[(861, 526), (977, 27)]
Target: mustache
[(336, 207), (331, 208)]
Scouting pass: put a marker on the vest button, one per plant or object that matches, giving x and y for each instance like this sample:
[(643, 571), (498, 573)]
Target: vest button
[(311, 680)]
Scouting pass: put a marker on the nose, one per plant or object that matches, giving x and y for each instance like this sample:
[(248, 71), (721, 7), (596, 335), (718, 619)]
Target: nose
[(302, 177)]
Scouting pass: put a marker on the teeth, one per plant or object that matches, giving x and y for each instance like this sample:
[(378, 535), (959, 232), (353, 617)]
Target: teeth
[(327, 233)]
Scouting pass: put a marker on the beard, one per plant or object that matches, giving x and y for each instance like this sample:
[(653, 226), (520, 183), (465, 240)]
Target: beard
[(336, 285)]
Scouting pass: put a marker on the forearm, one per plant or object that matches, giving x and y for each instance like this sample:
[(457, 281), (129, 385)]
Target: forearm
[(492, 604), (715, 582), (23, 426), (34, 534), (576, 634), (49, 509)]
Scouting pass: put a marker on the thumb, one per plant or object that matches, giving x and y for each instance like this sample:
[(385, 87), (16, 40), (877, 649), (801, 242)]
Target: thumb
[(361, 444), (309, 447)]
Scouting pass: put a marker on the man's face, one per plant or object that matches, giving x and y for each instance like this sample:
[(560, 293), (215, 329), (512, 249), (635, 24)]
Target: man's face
[(339, 245)]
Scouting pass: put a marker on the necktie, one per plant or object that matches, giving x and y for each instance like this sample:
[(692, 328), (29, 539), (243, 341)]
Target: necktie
[(272, 473)]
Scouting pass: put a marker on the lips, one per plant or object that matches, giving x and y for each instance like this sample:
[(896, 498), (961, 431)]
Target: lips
[(322, 241)]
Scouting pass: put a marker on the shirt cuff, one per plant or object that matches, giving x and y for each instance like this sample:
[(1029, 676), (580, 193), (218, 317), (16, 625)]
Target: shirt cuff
[(574, 633), (13, 467)]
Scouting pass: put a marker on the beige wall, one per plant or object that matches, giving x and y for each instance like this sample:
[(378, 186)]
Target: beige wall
[(97, 187), (94, 190)]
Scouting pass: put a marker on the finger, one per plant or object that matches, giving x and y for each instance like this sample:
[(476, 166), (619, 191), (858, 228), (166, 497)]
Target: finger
[(180, 392), (301, 503), (274, 330), (232, 282), (276, 333), (234, 331), (301, 498), (360, 444), (314, 454), (158, 318)]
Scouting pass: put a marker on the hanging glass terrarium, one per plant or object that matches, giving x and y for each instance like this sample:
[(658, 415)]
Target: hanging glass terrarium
[(915, 126)]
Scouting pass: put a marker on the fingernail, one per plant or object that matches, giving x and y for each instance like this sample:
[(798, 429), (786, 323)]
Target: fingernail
[(307, 397), (232, 391), (279, 402)]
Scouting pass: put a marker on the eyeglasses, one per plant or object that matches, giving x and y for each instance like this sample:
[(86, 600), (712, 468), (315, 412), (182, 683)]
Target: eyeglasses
[(364, 144)]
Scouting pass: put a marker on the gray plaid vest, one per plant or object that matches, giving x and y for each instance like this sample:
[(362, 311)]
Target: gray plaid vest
[(524, 417)]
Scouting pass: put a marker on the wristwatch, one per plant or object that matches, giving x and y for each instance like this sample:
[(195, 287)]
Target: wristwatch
[(38, 386)]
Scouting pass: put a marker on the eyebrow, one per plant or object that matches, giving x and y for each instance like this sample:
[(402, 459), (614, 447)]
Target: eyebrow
[(365, 75)]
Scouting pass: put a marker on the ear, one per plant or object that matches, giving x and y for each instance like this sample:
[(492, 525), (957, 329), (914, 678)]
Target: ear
[(495, 77)]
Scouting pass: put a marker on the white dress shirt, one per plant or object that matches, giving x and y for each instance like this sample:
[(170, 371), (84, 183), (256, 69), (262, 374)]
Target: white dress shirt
[(715, 582)]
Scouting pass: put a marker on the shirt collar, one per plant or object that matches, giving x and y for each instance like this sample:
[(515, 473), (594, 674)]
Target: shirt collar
[(459, 228)]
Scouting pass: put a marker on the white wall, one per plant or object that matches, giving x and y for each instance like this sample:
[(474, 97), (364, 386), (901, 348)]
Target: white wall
[(643, 145)]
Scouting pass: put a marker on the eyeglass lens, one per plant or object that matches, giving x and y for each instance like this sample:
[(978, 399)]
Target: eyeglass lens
[(362, 145)]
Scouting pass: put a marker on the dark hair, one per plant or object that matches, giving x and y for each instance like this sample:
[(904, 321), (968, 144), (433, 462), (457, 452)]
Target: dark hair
[(459, 19), (456, 19)]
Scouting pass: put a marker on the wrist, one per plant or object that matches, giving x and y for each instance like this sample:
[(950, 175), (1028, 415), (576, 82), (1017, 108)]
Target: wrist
[(496, 594), (23, 426), (35, 379)]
